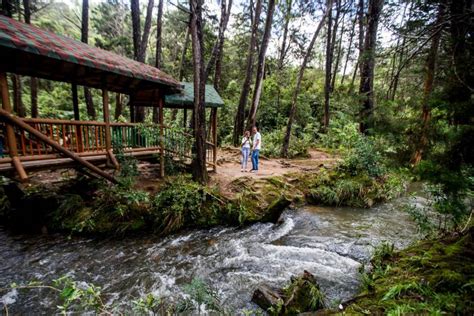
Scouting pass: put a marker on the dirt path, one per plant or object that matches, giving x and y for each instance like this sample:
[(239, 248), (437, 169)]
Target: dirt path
[(228, 166)]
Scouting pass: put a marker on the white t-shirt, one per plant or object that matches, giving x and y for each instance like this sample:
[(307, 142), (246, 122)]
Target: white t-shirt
[(257, 137), (246, 142)]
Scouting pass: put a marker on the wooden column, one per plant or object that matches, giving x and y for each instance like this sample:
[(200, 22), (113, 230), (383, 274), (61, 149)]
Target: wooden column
[(132, 109), (214, 138), (108, 140), (77, 117), (75, 102), (10, 133), (185, 118), (162, 137)]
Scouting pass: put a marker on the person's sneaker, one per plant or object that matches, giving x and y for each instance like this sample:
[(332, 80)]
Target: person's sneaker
[(253, 170)]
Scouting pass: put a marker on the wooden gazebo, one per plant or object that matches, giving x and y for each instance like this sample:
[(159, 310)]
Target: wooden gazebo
[(31, 143)]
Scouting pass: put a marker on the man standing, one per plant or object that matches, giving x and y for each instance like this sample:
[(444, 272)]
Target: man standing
[(257, 145)]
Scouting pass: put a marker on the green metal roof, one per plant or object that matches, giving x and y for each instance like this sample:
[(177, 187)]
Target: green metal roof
[(186, 96)]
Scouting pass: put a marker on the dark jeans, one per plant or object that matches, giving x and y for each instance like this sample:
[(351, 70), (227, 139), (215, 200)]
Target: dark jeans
[(255, 153)]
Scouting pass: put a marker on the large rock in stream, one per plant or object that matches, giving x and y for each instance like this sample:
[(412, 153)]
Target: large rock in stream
[(301, 295)]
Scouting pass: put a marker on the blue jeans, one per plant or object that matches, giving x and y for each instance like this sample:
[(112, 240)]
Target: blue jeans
[(245, 157), (255, 153)]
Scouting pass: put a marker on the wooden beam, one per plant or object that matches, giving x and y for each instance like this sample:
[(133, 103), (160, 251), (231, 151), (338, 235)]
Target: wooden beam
[(11, 139), (162, 136), (108, 139), (214, 138), (9, 118)]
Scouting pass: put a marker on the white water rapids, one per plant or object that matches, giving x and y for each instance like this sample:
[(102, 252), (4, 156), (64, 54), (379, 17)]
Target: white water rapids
[(329, 242)]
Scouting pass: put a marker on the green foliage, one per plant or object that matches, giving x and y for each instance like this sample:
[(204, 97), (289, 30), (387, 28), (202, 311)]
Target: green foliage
[(363, 158), (299, 145), (201, 295), (148, 304), (342, 134), (339, 187), (185, 203)]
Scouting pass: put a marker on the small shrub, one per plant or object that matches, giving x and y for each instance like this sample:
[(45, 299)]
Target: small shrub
[(182, 202), (363, 157)]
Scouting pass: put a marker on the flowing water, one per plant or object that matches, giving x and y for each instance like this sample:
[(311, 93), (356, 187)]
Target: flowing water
[(331, 243)]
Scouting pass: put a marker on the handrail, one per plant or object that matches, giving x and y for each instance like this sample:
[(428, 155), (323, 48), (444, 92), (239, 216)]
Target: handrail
[(87, 138), (22, 125)]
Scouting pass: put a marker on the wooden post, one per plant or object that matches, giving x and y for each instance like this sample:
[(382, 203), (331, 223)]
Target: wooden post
[(162, 136), (11, 139), (75, 106), (214, 138), (132, 109), (108, 140), (185, 118), (75, 102)]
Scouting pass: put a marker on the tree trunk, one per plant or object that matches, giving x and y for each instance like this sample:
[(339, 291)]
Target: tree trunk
[(396, 76), (174, 112), (428, 88), (183, 55), (240, 114), (146, 32), (85, 38), (367, 66), (159, 25), (283, 47), (136, 32), (261, 65), (33, 80), (140, 42), (225, 14), (360, 16), (294, 102), (349, 51), (224, 20), (18, 105), (339, 49), (199, 157), (327, 80), (7, 8), (283, 51)]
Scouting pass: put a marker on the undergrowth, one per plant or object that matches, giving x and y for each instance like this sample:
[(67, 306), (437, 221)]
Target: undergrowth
[(431, 277)]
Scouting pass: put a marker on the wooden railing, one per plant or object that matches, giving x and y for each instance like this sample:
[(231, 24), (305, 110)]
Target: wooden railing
[(87, 138)]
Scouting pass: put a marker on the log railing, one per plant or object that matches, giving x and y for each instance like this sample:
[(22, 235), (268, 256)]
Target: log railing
[(88, 138)]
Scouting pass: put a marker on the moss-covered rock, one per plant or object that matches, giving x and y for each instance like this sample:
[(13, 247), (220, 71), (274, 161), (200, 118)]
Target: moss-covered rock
[(301, 295)]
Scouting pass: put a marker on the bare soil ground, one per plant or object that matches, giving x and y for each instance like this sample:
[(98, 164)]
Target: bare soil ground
[(228, 166), (228, 170)]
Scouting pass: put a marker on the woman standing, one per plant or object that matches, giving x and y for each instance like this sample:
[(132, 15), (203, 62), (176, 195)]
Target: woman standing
[(245, 149)]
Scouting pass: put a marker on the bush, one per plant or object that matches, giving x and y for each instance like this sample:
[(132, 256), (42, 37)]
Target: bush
[(342, 134), (363, 158), (185, 203), (272, 143)]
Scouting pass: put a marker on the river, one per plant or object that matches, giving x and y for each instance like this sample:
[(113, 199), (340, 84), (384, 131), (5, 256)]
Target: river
[(331, 243)]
